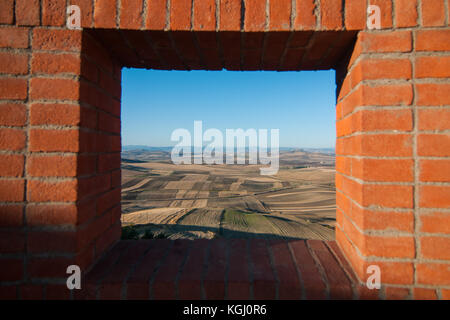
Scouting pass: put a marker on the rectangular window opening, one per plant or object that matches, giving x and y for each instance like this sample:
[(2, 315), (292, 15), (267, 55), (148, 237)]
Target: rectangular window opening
[(163, 110)]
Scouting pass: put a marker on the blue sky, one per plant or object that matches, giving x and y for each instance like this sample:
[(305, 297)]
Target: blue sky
[(300, 104)]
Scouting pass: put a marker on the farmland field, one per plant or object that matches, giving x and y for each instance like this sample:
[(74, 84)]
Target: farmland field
[(163, 200)]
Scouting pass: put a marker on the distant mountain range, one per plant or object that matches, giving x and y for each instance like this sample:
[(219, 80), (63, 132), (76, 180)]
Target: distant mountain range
[(169, 149)]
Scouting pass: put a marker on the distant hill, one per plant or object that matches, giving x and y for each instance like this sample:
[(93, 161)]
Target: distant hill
[(291, 157), (145, 148), (169, 149)]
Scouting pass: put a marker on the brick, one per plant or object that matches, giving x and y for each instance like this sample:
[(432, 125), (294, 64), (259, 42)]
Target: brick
[(434, 170), (96, 232), (48, 63), (138, 281), (12, 139), (434, 196), (445, 294), (105, 12), (11, 165), (434, 119), (94, 185), (395, 145), (393, 293), (13, 37), (238, 270), (27, 12), (383, 220), (355, 15), (383, 170), (432, 40), (230, 15), (372, 69), (263, 276), (60, 89), (56, 39), (108, 162), (112, 283), (12, 190), (7, 12), (11, 215), (155, 20), (255, 15), (88, 141), (437, 145), (86, 7), (372, 120), (9, 292), (56, 114), (12, 88), (389, 247), (86, 164), (430, 94), (214, 279), (51, 214), (396, 41), (108, 238), (305, 18), (437, 248), (54, 12), (390, 196), (57, 292), (433, 274), (116, 178), (204, 15), (131, 12), (180, 15), (13, 114), (309, 272), (54, 140), (31, 292), (406, 13), (388, 95), (424, 294), (435, 222), (394, 272), (12, 270), (339, 284), (12, 241), (13, 63), (189, 281), (432, 67), (108, 123), (433, 13), (54, 267), (43, 191), (386, 12), (52, 241), (331, 14), (101, 269), (52, 166), (280, 15), (108, 200), (289, 285), (112, 86), (164, 282)]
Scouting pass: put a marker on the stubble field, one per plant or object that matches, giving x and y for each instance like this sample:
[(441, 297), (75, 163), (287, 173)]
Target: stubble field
[(163, 200)]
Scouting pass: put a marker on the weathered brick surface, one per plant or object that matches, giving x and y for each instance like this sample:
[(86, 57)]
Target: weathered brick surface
[(170, 269)]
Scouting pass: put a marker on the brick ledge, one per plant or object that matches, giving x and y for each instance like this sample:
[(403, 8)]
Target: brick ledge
[(223, 269)]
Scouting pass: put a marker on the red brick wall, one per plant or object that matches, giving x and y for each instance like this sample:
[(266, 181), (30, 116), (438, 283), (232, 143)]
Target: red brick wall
[(392, 164), (60, 123)]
